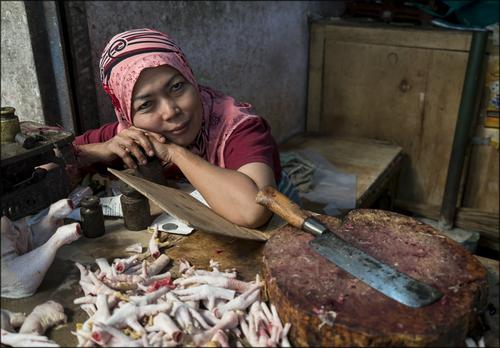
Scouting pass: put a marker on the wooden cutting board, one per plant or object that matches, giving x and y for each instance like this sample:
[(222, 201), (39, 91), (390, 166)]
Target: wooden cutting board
[(328, 307), (190, 211)]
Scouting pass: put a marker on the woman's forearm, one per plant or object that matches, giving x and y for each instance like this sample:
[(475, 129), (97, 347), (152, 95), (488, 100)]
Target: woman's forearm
[(89, 154), (229, 193)]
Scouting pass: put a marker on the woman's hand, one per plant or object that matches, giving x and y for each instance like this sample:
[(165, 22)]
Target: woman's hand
[(164, 151), (130, 142)]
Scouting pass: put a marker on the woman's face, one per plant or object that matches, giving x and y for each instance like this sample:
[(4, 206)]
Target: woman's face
[(164, 102)]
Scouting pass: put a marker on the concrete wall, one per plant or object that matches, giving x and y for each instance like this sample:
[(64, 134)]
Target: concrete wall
[(19, 85), (254, 51)]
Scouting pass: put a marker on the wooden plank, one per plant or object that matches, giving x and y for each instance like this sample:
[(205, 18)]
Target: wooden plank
[(383, 34), (486, 223), (367, 158), (315, 84), (187, 209), (481, 191), (199, 248)]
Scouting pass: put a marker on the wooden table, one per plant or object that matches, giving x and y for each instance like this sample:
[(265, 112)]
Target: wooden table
[(375, 163), (61, 281)]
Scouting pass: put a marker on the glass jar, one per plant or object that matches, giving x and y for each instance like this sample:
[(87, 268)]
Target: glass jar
[(135, 208), (92, 217), (9, 124)]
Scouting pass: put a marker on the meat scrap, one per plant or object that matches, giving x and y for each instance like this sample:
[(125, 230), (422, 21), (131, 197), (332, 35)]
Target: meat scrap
[(43, 317), (33, 327), (25, 340), (199, 308), (11, 320)]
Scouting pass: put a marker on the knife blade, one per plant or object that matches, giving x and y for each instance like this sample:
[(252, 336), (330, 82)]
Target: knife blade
[(382, 277)]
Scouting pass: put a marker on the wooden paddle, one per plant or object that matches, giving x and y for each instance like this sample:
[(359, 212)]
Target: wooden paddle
[(190, 211)]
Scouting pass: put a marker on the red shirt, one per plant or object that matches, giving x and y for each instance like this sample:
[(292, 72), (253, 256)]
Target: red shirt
[(250, 142)]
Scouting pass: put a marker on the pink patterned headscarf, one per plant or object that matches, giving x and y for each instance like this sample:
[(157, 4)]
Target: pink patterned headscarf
[(128, 53)]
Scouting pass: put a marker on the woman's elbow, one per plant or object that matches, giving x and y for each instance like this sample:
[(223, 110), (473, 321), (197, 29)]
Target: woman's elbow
[(255, 218)]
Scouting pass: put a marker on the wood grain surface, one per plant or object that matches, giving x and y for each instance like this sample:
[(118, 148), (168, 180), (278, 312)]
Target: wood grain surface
[(482, 189), (396, 84)]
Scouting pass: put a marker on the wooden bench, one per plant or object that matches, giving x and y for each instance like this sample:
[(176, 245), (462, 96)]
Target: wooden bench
[(375, 163)]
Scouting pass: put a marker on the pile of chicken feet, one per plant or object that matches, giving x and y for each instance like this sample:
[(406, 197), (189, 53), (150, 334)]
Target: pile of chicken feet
[(131, 303)]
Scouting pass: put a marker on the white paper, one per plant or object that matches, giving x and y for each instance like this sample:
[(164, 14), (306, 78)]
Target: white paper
[(134, 248), (111, 206), (189, 189), (196, 194), (168, 223)]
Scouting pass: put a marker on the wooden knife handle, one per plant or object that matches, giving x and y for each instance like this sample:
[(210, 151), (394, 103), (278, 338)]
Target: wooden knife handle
[(280, 204)]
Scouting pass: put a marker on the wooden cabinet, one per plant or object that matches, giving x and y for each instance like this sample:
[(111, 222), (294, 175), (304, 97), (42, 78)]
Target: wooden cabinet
[(395, 84), (403, 85)]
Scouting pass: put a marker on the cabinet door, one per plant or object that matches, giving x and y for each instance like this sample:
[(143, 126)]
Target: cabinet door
[(442, 102), (374, 91), (407, 95), (482, 190)]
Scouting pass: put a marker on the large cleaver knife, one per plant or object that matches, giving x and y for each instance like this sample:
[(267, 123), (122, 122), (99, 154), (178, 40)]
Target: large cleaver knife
[(376, 274)]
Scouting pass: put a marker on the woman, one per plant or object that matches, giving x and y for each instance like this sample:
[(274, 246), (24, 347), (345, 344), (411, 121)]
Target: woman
[(226, 152)]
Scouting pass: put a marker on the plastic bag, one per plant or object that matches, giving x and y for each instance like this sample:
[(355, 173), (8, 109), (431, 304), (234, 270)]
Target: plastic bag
[(329, 186)]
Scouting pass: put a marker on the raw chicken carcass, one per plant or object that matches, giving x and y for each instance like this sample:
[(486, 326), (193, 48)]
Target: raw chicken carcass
[(11, 320), (33, 326), (43, 317), (28, 250)]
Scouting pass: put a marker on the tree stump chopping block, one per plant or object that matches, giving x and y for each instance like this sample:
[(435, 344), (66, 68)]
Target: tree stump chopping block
[(328, 307)]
